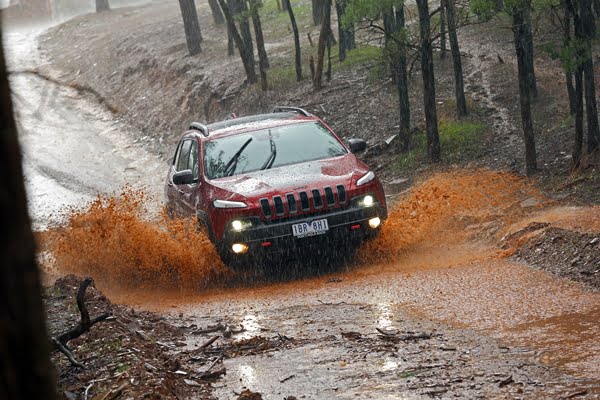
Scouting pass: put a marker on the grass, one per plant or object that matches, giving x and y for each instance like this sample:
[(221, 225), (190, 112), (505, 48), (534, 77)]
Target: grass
[(458, 139), (285, 75)]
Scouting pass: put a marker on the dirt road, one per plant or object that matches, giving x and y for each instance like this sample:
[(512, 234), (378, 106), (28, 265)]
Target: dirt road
[(73, 148), (441, 317)]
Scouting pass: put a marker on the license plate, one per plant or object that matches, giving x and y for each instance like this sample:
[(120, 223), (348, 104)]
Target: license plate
[(313, 228)]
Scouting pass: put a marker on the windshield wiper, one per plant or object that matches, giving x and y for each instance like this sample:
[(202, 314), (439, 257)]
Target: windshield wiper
[(232, 164), (271, 159)]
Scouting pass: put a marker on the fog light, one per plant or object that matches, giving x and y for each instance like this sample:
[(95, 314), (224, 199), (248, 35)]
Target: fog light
[(374, 222), (368, 201), (239, 248), (237, 225)]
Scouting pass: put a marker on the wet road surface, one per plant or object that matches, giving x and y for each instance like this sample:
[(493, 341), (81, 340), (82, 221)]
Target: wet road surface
[(479, 305), (73, 148)]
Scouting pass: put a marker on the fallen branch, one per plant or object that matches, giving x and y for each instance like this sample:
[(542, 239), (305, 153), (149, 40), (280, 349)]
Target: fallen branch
[(60, 342), (209, 342), (213, 375)]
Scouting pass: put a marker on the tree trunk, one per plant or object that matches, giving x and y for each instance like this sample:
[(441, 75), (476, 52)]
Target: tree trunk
[(102, 5), (443, 18), (317, 11), (323, 38), (286, 3), (431, 123), (328, 73), (343, 32), (191, 26), (244, 22), (459, 86), (499, 5), (263, 61), (245, 52), (528, 38), (402, 84), (578, 139), (588, 33), (216, 12), (258, 34), (566, 43), (24, 349), (520, 39), (389, 27)]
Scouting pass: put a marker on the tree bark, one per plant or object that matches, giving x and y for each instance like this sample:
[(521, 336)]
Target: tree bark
[(520, 39), (389, 27), (566, 43), (102, 5), (217, 14), (340, 8), (402, 83), (443, 17), (244, 22), (298, 55), (578, 137), (323, 38), (459, 85), (317, 11), (588, 33), (528, 48), (258, 34), (263, 61), (244, 51), (191, 26), (24, 349), (431, 123)]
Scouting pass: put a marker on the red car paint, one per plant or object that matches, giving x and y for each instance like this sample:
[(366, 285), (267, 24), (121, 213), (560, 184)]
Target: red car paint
[(275, 185)]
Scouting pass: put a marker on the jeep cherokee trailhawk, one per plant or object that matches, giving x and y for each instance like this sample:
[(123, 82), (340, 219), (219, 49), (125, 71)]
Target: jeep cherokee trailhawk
[(274, 183)]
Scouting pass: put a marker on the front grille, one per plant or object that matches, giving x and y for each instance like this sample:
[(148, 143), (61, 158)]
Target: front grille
[(304, 201), (329, 198), (317, 199), (320, 198), (279, 210), (266, 207), (292, 205)]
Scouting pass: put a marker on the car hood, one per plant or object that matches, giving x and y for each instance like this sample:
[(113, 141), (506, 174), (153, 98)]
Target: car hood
[(293, 178)]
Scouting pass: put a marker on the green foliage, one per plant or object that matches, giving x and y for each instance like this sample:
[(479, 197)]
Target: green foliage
[(484, 9), (571, 56), (367, 9), (457, 139)]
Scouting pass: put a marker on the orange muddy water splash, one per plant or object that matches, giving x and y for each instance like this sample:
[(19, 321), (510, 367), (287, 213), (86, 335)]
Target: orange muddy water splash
[(112, 241), (438, 209)]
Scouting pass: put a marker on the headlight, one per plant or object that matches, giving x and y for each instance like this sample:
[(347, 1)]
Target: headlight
[(367, 201), (368, 177), (238, 225), (229, 204)]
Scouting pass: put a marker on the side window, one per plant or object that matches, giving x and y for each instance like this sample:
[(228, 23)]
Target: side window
[(193, 160), (184, 154), (177, 151)]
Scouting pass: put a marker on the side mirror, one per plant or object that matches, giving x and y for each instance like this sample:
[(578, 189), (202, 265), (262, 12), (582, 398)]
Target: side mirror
[(357, 145), (185, 177)]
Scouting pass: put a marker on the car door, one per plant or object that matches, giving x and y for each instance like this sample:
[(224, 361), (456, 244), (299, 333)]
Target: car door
[(176, 192), (189, 193)]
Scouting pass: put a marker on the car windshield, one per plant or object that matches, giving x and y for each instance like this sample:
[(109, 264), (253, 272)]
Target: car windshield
[(269, 148)]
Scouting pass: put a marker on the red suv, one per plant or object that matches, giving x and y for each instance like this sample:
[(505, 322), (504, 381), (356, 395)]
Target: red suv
[(274, 183)]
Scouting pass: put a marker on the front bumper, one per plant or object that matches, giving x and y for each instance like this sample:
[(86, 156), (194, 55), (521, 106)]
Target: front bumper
[(349, 226)]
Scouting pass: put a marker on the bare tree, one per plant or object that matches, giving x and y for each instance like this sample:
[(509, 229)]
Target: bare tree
[(323, 38), (193, 36), (24, 348), (246, 53), (217, 14), (263, 61), (431, 123), (519, 11), (459, 86), (298, 56)]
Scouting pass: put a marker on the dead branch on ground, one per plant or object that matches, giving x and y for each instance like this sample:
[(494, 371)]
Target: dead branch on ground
[(61, 341)]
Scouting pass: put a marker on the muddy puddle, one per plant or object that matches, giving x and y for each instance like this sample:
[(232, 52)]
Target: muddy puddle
[(436, 268)]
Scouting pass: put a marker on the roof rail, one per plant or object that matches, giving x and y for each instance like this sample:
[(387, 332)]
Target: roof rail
[(279, 109), (198, 126)]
